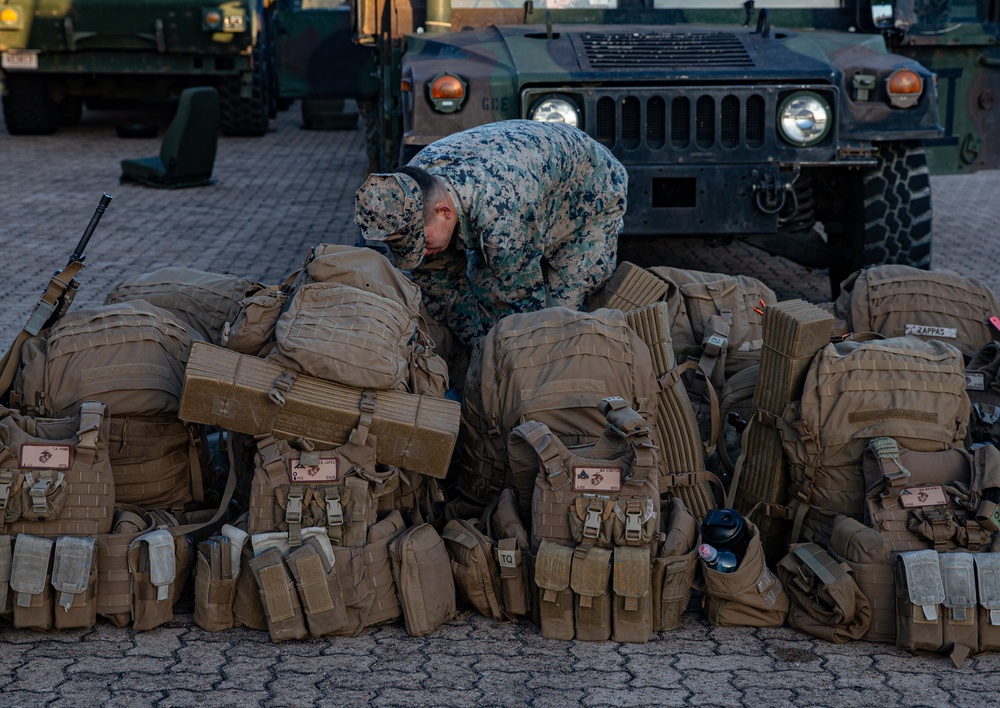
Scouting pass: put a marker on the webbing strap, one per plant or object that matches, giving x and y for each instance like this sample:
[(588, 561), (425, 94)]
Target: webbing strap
[(91, 418), (367, 406)]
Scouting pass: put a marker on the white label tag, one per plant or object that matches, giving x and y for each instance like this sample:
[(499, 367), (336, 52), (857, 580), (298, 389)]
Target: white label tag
[(929, 331), (597, 479), (915, 497), (325, 471), (506, 559), (45, 457), (975, 381), (19, 60)]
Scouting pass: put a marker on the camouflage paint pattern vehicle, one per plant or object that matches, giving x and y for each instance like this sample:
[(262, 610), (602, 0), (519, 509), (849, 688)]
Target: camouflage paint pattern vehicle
[(57, 54), (797, 124)]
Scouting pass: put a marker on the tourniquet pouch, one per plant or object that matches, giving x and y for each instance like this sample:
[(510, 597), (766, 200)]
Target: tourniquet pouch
[(153, 563), (216, 573), (673, 570), (6, 563), (337, 489), (285, 618), (311, 565), (750, 596), (553, 568), (422, 572), (248, 608), (825, 600), (988, 586), (589, 578), (513, 556), (55, 474), (867, 554), (74, 578), (30, 581), (919, 601), (474, 567), (632, 611)]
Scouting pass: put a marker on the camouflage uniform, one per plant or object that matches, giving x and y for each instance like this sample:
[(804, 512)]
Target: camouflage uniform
[(540, 207)]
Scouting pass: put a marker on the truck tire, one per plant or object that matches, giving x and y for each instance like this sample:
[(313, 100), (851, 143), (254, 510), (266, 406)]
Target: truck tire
[(890, 214), (28, 108), (247, 117)]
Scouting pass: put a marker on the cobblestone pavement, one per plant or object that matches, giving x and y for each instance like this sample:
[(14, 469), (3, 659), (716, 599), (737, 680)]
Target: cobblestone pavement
[(274, 198)]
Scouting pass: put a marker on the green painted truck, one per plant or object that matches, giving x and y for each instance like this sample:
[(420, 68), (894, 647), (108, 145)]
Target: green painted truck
[(56, 55), (808, 127)]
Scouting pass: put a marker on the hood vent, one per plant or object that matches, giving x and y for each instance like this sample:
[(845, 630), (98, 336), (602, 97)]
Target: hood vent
[(678, 50)]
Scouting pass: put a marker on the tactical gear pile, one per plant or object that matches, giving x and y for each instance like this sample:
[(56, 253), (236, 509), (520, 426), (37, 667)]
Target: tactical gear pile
[(590, 454)]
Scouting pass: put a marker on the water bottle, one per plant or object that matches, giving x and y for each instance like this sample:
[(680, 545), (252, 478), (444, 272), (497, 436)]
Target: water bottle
[(725, 529), (721, 561)]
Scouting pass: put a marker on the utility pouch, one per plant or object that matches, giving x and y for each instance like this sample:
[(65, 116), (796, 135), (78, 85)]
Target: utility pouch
[(216, 575), (422, 572), (919, 601), (6, 563), (635, 521), (358, 594), (866, 552), (632, 614), (312, 565), (590, 519), (248, 608), (285, 619), (553, 564), (988, 585), (43, 495), (474, 567), (589, 579), (152, 562), (74, 578), (750, 596), (673, 571), (959, 620), (30, 581)]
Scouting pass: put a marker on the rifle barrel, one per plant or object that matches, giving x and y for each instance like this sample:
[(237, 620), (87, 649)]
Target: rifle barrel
[(89, 231)]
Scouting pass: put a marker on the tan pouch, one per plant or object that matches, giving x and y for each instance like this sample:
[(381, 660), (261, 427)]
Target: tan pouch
[(750, 596), (30, 581), (474, 567), (74, 578), (385, 607), (988, 585), (632, 616), (359, 595), (589, 579), (825, 600), (285, 618), (311, 565), (216, 575), (513, 556), (248, 608), (635, 521), (960, 626), (6, 563), (422, 572), (253, 328), (43, 495), (152, 561), (553, 565), (866, 552), (673, 572), (919, 601)]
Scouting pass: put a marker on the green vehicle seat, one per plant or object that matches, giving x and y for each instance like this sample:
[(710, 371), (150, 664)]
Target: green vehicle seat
[(187, 153)]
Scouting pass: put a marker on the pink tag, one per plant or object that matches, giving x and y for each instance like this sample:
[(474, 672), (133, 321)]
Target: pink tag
[(597, 479), (45, 457), (325, 471), (914, 497)]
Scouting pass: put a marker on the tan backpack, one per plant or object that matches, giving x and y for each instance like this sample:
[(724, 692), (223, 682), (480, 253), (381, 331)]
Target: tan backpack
[(899, 300), (903, 388), (552, 366), (205, 302)]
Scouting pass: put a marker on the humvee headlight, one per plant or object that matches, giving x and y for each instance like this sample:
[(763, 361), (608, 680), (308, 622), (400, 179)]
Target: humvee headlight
[(804, 118), (555, 109), (904, 87), (10, 18), (447, 92)]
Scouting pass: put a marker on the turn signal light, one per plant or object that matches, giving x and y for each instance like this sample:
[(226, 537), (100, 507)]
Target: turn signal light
[(904, 87), (447, 92), (9, 17)]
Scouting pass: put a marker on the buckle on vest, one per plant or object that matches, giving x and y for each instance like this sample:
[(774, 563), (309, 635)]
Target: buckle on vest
[(592, 524), (6, 480), (334, 512), (39, 504), (293, 509), (633, 523)]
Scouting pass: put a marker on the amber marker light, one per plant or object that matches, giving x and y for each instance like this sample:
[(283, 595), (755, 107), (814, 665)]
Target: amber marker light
[(447, 92), (9, 17), (904, 87)]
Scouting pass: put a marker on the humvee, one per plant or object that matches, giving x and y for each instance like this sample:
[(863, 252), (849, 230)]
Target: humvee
[(804, 126)]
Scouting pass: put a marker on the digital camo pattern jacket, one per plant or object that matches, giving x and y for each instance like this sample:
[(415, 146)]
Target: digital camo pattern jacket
[(540, 209)]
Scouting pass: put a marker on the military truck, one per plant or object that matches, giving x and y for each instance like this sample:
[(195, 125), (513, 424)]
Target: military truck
[(57, 54), (801, 125)]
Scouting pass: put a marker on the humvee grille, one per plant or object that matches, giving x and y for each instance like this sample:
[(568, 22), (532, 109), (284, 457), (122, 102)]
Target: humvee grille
[(682, 121), (664, 51)]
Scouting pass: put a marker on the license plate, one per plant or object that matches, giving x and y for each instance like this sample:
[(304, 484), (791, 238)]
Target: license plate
[(19, 60)]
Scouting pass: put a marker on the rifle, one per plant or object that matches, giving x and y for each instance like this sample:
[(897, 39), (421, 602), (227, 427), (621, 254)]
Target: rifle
[(55, 301)]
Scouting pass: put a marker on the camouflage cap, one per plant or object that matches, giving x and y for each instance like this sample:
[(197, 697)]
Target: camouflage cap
[(390, 207)]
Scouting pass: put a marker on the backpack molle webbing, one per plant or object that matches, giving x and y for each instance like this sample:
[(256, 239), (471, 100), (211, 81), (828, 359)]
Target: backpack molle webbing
[(855, 391)]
